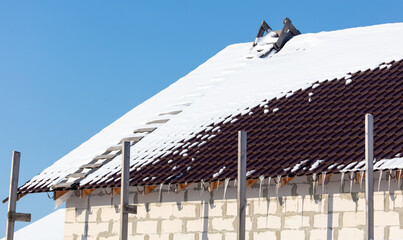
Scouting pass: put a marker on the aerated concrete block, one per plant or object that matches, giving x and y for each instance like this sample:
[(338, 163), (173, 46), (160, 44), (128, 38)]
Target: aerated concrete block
[(70, 215), (326, 220), (164, 211), (184, 210), (171, 226), (197, 225), (319, 234), (76, 202), (353, 219), (382, 218), (343, 203), (232, 208), (351, 233), (214, 210), (293, 234), (264, 235), (296, 222), (148, 226), (95, 228), (185, 236), (395, 233), (269, 222), (223, 224)]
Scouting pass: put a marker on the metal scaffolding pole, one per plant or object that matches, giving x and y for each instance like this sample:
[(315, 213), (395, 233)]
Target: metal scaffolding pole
[(124, 193), (12, 215), (241, 193), (369, 176), (125, 208)]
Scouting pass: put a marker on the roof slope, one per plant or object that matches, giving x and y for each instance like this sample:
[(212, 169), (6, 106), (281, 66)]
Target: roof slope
[(221, 93)]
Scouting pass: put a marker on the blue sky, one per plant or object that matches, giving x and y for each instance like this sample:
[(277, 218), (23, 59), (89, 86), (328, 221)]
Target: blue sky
[(70, 68)]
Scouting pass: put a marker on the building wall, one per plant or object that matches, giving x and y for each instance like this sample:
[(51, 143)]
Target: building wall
[(294, 213)]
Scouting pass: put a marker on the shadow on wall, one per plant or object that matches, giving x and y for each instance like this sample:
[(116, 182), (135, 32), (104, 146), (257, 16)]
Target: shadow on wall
[(87, 215), (330, 217), (205, 220)]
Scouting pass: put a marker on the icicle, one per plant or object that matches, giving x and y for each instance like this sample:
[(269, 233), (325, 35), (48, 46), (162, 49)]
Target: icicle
[(314, 183), (351, 180), (390, 176), (235, 183), (398, 180), (160, 192), (323, 182), (361, 179), (260, 186), (169, 187), (201, 187), (342, 181), (225, 186), (379, 181), (278, 184), (268, 184)]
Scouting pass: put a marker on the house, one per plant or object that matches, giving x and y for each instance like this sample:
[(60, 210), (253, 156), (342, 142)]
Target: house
[(302, 105)]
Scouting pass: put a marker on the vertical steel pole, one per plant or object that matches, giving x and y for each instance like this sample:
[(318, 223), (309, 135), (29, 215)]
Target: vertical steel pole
[(124, 191), (12, 197), (369, 176), (241, 198)]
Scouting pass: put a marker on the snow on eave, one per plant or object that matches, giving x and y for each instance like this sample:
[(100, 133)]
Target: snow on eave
[(355, 166), (381, 165)]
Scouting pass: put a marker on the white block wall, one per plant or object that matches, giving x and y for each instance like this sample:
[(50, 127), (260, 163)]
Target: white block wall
[(294, 214)]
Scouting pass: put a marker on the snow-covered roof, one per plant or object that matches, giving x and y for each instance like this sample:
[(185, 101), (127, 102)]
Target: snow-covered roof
[(232, 82), (48, 227)]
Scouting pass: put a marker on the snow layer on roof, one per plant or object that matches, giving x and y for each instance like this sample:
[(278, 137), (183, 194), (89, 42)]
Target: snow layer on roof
[(231, 82), (49, 227)]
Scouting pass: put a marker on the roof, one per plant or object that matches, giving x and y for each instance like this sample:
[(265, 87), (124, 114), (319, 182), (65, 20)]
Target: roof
[(48, 227), (303, 106)]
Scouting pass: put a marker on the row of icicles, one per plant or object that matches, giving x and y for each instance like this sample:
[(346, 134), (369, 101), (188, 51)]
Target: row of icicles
[(277, 181)]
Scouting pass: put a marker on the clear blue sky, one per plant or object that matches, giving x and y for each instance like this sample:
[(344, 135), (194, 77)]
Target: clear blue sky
[(70, 68)]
